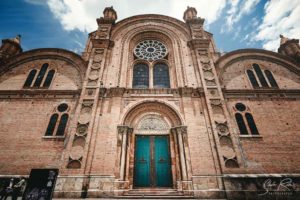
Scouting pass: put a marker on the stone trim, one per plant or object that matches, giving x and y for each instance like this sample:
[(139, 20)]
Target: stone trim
[(262, 93)]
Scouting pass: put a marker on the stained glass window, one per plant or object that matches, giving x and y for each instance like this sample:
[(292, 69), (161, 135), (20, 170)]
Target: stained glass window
[(51, 125), (150, 50), (251, 124), (252, 78), (30, 78), (241, 124), (140, 76), (260, 75), (161, 76), (271, 78), (49, 78), (41, 75)]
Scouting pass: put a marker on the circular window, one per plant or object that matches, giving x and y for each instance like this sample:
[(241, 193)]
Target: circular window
[(62, 107), (150, 50), (240, 107)]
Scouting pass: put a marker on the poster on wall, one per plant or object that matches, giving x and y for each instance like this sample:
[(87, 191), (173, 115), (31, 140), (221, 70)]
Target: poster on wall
[(41, 184)]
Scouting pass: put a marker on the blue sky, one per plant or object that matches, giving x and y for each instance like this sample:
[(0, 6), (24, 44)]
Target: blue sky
[(65, 24)]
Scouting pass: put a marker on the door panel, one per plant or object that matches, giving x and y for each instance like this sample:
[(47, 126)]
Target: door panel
[(142, 162), (162, 162), (152, 162)]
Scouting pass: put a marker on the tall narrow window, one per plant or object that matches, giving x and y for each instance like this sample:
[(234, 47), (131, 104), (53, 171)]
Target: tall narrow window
[(30, 78), (161, 76), (140, 76), (240, 116), (62, 125), (251, 124), (260, 75), (49, 78), (252, 79), (241, 124), (51, 125), (41, 75), (58, 121), (271, 79)]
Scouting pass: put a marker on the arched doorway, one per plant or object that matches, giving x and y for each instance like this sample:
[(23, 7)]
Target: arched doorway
[(152, 149), (152, 157)]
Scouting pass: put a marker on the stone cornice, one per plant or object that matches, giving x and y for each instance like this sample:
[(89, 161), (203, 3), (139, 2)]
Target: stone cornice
[(159, 92), (151, 18), (38, 93), (102, 43), (199, 43), (262, 93)]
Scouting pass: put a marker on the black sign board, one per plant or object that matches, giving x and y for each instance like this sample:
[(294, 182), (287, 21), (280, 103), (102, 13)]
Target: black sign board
[(41, 184)]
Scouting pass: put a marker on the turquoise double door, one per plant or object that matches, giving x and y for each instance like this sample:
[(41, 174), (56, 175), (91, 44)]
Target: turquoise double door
[(152, 162)]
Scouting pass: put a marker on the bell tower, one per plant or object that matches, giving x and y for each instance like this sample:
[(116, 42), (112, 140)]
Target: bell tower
[(10, 47), (289, 47)]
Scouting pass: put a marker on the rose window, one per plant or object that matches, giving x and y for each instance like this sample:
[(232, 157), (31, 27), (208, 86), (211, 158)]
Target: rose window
[(150, 50)]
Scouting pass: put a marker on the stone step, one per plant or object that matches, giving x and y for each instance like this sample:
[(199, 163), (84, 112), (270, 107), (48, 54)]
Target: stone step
[(153, 193)]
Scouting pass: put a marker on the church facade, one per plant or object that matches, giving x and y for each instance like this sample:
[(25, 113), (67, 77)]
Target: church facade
[(151, 108)]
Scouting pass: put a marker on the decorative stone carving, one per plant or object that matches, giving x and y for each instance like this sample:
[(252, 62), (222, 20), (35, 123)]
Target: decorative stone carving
[(205, 60), (92, 82), (98, 58), (208, 74), (231, 162), (206, 66), (90, 91), (74, 164), (152, 122), (96, 65), (76, 152), (94, 73), (216, 105), (225, 141), (213, 92), (82, 129), (210, 81), (79, 141), (85, 112), (222, 128)]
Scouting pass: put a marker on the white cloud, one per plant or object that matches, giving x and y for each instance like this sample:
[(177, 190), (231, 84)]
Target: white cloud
[(82, 14), (237, 10), (281, 17)]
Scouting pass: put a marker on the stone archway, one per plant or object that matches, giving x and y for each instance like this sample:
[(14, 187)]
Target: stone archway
[(153, 119)]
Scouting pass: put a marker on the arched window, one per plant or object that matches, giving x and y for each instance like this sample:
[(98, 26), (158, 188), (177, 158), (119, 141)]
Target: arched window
[(161, 76), (58, 121), (251, 124), (240, 116), (241, 124), (51, 125), (260, 75), (41, 75), (252, 78), (140, 76), (62, 125), (271, 78), (49, 78), (30, 78)]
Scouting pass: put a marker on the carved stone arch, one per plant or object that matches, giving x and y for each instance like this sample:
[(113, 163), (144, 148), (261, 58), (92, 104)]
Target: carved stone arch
[(179, 25), (171, 115), (153, 119), (128, 37), (40, 56), (231, 58)]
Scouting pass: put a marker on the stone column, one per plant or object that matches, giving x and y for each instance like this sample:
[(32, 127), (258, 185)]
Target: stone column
[(123, 132), (179, 131)]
